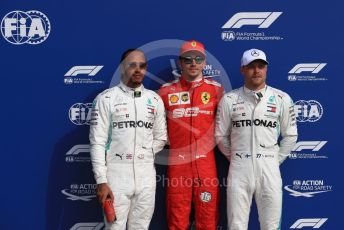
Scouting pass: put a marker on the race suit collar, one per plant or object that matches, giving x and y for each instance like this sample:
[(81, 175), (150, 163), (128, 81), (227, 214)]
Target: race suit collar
[(134, 92), (248, 91), (257, 95), (191, 84)]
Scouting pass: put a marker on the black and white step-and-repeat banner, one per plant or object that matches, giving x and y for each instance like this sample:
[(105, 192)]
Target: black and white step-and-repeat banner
[(57, 55)]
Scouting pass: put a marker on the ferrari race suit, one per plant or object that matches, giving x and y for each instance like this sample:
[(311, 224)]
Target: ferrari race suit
[(128, 127), (247, 128), (192, 176)]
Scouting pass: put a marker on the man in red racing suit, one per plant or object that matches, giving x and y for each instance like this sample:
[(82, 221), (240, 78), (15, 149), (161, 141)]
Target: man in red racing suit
[(190, 104)]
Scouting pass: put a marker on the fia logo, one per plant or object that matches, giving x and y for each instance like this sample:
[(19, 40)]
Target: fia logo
[(308, 111), (31, 27), (228, 35), (80, 113)]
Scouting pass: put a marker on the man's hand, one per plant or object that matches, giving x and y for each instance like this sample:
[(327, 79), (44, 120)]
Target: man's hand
[(104, 191)]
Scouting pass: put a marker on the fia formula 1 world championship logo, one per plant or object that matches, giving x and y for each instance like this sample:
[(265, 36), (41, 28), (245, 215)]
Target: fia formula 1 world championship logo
[(262, 20), (31, 27)]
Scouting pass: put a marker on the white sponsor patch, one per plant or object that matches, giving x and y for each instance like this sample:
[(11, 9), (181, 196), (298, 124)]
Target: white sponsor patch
[(205, 196), (181, 98)]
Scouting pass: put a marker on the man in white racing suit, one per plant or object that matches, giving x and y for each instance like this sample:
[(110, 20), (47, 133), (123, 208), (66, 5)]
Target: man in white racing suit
[(249, 122), (128, 128)]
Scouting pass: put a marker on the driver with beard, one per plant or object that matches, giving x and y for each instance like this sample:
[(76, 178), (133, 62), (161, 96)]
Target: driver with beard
[(128, 128)]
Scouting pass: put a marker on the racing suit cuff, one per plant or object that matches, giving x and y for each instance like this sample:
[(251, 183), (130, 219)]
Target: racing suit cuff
[(282, 157), (158, 145), (101, 180)]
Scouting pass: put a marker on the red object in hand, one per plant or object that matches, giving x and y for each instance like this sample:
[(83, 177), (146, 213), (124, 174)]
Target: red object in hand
[(109, 210)]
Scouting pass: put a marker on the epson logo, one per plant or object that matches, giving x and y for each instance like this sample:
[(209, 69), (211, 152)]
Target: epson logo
[(310, 222), (262, 19), (307, 67)]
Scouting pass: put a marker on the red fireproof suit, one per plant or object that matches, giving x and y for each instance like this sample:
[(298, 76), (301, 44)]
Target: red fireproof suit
[(192, 177)]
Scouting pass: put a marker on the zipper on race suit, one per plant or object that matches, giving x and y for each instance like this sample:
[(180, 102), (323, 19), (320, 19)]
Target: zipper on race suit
[(254, 156), (256, 103), (191, 134), (134, 153)]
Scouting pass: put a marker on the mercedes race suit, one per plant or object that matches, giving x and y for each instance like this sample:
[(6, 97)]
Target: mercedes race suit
[(191, 110), (247, 128), (128, 128)]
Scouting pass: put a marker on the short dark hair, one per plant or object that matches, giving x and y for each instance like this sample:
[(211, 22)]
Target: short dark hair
[(126, 53)]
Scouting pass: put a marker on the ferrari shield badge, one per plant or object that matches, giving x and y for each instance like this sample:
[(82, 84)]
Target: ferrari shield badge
[(205, 96)]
